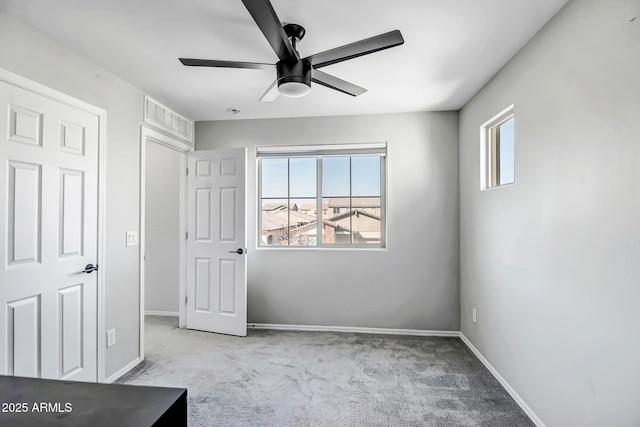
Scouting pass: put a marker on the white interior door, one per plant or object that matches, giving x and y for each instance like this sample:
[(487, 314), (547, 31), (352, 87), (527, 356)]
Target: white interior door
[(48, 234), (216, 242)]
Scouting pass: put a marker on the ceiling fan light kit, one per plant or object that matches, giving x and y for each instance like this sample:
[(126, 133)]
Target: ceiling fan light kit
[(294, 78), (295, 74), (294, 89)]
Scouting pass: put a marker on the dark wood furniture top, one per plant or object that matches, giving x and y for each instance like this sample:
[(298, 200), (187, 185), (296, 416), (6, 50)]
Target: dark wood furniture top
[(31, 402)]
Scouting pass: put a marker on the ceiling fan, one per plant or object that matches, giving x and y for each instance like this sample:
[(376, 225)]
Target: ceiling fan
[(295, 74)]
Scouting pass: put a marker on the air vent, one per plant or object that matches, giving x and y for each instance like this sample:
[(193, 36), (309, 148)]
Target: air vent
[(163, 118)]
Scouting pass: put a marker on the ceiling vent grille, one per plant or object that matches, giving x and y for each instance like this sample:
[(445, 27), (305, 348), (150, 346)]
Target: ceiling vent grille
[(163, 118)]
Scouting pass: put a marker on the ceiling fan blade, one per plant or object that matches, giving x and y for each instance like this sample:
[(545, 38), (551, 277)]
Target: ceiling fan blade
[(354, 50), (191, 62), (268, 22), (271, 94), (332, 82)]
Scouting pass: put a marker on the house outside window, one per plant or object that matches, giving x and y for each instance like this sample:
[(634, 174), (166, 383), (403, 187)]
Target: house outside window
[(322, 196)]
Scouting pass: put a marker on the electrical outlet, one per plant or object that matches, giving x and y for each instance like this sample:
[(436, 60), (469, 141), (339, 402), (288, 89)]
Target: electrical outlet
[(111, 337), (132, 238), (473, 315)]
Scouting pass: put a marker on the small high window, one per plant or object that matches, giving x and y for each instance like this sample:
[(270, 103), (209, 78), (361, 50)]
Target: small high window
[(497, 152)]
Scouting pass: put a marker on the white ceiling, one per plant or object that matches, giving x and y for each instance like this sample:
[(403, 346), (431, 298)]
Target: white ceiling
[(452, 48)]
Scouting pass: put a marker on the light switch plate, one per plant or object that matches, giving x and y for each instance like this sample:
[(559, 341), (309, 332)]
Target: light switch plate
[(111, 337), (132, 238)]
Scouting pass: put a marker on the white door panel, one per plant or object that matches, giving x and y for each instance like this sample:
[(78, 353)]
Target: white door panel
[(49, 221), (216, 269)]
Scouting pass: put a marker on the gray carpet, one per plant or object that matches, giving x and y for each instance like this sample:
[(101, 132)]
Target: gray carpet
[(278, 378)]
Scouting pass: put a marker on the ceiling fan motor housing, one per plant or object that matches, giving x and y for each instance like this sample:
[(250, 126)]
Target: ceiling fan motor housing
[(294, 71)]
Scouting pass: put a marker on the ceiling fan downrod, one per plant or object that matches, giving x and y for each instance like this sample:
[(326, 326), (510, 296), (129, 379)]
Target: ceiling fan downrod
[(295, 33)]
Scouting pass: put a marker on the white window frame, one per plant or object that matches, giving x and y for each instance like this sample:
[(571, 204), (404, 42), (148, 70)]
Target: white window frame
[(487, 157), (320, 152)]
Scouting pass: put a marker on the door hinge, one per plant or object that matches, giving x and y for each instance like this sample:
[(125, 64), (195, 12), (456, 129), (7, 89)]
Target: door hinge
[(187, 171), (185, 300), (186, 235)]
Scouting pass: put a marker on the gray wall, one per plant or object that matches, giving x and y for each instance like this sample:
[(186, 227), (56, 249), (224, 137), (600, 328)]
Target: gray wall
[(162, 228), (414, 282), (27, 52), (552, 263)]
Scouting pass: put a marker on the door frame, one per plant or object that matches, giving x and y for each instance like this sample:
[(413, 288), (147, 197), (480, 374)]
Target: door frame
[(152, 136), (47, 92)]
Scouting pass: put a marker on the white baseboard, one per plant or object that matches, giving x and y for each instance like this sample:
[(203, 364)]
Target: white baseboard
[(124, 370), (536, 420), (161, 313), (387, 331)]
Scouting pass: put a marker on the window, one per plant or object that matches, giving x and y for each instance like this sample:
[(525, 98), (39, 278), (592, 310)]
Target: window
[(322, 196), (498, 150)]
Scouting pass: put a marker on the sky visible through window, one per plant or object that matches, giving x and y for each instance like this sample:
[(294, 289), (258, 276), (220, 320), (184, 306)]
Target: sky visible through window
[(507, 152), (341, 176)]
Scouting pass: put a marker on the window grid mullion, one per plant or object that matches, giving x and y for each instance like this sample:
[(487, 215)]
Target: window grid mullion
[(319, 212), (383, 202), (288, 202), (350, 202), (259, 203)]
